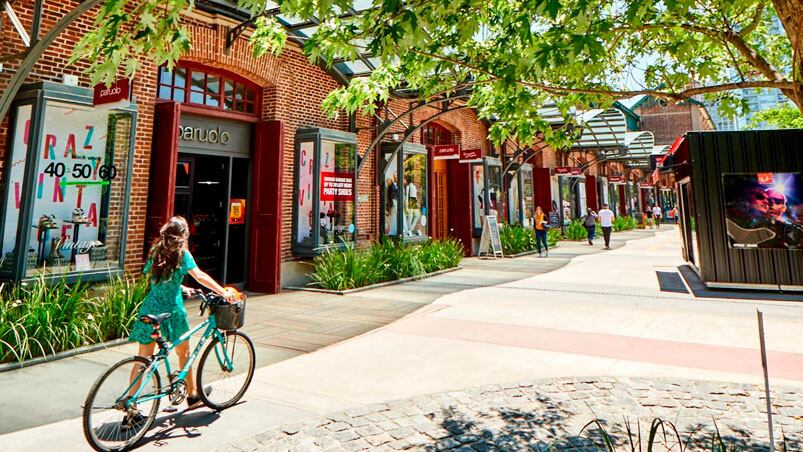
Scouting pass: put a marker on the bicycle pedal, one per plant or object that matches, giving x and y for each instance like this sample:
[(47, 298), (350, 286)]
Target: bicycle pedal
[(169, 409)]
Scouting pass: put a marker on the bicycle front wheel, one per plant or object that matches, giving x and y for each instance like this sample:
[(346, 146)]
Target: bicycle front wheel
[(227, 368), (111, 423)]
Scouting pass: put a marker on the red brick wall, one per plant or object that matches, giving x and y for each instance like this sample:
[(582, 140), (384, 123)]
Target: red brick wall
[(293, 90), (666, 122)]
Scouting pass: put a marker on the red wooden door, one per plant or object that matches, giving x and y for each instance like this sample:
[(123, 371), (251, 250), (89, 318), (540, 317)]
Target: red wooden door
[(440, 197), (164, 157), (265, 256)]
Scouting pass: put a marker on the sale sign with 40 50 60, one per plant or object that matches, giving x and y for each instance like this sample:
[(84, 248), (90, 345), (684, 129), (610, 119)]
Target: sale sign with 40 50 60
[(86, 171)]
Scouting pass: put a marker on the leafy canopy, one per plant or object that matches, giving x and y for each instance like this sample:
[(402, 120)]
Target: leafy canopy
[(513, 56)]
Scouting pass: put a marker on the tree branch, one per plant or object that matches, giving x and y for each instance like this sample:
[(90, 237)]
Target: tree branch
[(679, 95), (749, 28)]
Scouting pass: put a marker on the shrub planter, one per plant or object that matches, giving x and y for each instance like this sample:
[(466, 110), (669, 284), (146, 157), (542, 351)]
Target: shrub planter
[(377, 285)]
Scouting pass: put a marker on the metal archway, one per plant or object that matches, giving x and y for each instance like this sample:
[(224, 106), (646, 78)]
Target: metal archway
[(35, 51), (412, 130), (386, 125)]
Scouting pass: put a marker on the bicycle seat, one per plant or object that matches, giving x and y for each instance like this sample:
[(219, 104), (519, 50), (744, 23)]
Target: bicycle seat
[(155, 319)]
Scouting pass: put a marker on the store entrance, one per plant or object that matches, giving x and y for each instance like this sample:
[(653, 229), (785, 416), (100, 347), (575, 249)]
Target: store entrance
[(440, 199), (211, 193)]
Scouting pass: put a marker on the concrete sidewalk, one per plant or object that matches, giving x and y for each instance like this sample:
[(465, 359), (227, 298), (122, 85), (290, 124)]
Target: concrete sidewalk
[(283, 326)]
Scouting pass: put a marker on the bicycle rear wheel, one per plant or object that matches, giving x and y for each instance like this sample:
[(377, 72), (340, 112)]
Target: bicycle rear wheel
[(228, 384), (108, 424)]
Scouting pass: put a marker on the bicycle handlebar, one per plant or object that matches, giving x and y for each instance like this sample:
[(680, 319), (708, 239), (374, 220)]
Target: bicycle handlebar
[(209, 299)]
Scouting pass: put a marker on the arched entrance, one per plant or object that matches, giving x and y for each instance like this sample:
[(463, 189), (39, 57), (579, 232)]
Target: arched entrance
[(434, 134), (215, 163)]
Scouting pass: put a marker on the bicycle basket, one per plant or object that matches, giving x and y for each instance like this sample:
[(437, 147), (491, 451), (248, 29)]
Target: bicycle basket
[(229, 316)]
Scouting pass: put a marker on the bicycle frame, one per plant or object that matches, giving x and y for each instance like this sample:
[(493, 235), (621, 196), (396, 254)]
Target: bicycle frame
[(164, 352)]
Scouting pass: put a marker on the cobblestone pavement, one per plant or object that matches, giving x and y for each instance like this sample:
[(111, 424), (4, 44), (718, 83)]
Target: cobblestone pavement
[(550, 415)]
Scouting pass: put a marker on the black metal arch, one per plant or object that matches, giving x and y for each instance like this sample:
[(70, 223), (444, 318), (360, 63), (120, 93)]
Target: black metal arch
[(385, 127), (413, 130), (37, 48)]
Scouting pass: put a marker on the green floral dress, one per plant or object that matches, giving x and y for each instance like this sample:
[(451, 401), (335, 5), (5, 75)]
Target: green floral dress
[(165, 296)]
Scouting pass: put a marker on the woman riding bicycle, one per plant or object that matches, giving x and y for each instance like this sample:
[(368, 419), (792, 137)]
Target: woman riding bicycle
[(169, 261)]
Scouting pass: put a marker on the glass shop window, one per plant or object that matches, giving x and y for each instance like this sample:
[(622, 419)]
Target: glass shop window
[(527, 194), (78, 192), (404, 196), (514, 201), (325, 191), (486, 187)]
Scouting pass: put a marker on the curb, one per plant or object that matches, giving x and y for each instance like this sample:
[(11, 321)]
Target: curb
[(61, 355), (377, 285)]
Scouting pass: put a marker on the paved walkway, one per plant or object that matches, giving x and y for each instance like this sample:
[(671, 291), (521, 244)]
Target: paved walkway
[(544, 414), (491, 323), (282, 327)]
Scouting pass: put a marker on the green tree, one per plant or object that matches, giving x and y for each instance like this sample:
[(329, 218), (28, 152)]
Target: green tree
[(514, 56), (784, 116)]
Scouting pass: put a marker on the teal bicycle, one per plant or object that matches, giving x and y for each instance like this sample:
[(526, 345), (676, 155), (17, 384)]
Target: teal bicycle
[(123, 403)]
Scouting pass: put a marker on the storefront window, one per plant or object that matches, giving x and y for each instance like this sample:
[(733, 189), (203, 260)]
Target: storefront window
[(75, 215), (337, 197), (486, 190), (514, 201), (404, 201), (414, 193), (325, 213), (478, 194), (527, 194)]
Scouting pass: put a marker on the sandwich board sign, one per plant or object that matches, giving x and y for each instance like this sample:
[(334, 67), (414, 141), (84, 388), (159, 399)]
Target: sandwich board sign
[(490, 243)]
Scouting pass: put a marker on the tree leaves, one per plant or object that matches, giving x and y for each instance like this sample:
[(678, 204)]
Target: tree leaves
[(516, 56)]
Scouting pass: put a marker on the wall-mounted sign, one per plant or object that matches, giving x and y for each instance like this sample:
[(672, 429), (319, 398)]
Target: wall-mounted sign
[(470, 155), (200, 133), (337, 186), (613, 179), (655, 176), (568, 171), (237, 211), (645, 184), (118, 93), (204, 135), (446, 152)]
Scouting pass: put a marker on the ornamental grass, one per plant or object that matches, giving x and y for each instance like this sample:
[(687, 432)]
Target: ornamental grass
[(384, 261), (42, 318)]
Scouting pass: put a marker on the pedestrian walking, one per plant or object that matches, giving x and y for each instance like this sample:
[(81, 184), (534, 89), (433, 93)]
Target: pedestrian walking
[(606, 217), (656, 212), (541, 226), (648, 215), (677, 214), (590, 223)]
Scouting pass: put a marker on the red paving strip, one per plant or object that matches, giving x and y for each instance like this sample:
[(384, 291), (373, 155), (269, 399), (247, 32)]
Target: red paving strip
[(656, 351)]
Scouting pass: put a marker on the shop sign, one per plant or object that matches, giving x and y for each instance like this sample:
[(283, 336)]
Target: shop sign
[(568, 170), (446, 152), (470, 155), (645, 185), (205, 135), (214, 134), (655, 176), (118, 92), (337, 186), (237, 211)]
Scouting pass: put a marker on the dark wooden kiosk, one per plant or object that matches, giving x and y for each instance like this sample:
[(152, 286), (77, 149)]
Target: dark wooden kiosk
[(741, 207)]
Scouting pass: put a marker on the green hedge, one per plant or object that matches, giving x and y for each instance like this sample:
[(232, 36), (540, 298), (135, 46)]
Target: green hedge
[(384, 261), (517, 239), (624, 223), (38, 318)]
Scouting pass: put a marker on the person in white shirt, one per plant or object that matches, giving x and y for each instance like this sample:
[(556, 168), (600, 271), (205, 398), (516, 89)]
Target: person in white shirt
[(606, 217), (656, 212), (412, 209)]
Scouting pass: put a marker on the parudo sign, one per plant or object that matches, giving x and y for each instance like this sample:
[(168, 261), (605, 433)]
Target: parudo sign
[(117, 92)]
